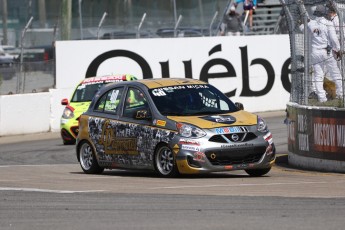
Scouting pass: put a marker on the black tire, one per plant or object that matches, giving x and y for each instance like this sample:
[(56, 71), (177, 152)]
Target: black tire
[(165, 162), (257, 172), (87, 159), (71, 142)]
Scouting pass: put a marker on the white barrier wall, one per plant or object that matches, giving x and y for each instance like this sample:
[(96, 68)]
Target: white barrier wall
[(253, 70), (23, 114)]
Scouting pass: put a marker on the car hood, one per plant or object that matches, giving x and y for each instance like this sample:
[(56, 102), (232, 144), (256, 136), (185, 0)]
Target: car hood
[(79, 107), (239, 118)]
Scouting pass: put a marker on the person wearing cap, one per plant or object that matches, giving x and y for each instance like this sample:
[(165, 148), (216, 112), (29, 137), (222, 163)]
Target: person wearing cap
[(322, 35), (232, 24)]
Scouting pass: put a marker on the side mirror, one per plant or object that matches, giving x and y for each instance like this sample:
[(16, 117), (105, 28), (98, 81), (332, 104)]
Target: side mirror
[(64, 101), (239, 105), (142, 114)]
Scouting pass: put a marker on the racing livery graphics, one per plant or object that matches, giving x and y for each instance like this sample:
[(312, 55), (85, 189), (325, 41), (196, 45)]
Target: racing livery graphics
[(125, 144), (172, 127)]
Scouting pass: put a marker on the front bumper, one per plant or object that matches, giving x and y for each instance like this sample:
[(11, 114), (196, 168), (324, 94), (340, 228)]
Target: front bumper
[(217, 160)]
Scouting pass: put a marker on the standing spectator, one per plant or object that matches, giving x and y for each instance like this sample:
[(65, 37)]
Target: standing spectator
[(232, 24), (248, 6), (333, 17), (322, 34)]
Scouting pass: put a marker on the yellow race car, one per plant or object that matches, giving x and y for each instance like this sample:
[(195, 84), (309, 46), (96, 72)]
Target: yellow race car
[(80, 101)]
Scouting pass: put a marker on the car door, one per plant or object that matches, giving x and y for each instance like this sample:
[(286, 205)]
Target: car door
[(102, 126)]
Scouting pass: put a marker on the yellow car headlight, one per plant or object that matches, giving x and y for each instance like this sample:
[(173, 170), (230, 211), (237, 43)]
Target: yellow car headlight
[(67, 113)]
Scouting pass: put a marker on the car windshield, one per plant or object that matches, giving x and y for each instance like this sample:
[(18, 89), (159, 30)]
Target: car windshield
[(85, 92), (189, 100)]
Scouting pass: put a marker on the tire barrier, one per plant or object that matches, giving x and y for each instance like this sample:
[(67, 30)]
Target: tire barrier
[(316, 137)]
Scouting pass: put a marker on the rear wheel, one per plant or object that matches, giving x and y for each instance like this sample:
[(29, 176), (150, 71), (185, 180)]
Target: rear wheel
[(257, 172), (87, 159), (165, 162)]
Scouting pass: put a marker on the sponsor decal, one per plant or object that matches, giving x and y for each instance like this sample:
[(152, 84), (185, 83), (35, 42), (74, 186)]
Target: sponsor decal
[(123, 143), (239, 145), (161, 123), (240, 166), (227, 130), (190, 147), (164, 90), (329, 134), (204, 69), (199, 156), (104, 79), (116, 145), (183, 141), (158, 92), (221, 119), (141, 114), (176, 149), (268, 137)]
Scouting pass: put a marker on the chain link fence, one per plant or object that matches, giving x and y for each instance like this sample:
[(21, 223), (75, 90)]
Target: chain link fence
[(30, 77), (298, 12)]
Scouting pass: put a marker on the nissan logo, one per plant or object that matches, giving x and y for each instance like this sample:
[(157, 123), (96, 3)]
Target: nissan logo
[(235, 137)]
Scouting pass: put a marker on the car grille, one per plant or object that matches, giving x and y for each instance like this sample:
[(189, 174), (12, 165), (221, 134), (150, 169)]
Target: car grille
[(225, 138), (236, 156)]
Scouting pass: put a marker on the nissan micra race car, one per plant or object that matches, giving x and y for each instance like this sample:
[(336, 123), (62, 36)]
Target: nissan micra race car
[(80, 101), (171, 126)]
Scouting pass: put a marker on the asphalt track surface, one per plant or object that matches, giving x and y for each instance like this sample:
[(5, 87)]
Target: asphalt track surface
[(42, 187)]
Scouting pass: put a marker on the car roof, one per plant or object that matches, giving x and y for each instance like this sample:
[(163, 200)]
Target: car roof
[(153, 83), (166, 82), (108, 78)]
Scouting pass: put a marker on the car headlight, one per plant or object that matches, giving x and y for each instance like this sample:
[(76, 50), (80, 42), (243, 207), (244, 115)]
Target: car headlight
[(186, 130), (262, 127), (67, 113)]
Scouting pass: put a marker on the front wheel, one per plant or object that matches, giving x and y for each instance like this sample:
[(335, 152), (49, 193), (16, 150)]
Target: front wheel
[(257, 172), (165, 162), (87, 159)]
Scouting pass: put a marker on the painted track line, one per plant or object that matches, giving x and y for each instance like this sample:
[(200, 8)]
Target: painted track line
[(47, 190)]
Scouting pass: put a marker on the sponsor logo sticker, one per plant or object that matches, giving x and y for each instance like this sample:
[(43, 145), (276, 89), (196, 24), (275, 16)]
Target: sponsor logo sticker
[(227, 130), (227, 119), (191, 148), (161, 123), (188, 142)]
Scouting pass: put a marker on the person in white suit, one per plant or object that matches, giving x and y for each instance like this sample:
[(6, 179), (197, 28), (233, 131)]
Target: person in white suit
[(324, 35)]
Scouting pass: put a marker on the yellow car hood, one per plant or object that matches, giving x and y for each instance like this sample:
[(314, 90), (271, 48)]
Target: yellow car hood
[(80, 107), (239, 118)]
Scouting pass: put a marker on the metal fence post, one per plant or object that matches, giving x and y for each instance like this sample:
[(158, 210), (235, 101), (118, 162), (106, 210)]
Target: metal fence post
[(100, 24), (213, 19), (19, 82), (341, 23), (176, 25), (140, 25)]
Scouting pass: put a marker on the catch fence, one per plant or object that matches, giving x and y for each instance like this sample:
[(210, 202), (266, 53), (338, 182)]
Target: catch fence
[(298, 12)]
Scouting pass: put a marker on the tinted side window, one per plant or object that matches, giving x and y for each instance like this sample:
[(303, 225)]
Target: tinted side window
[(135, 104), (134, 98), (109, 101)]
